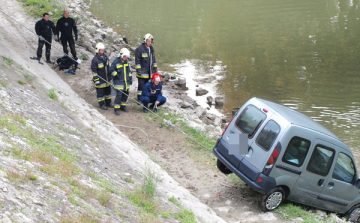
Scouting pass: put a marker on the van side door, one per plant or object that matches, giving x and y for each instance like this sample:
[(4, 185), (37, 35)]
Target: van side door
[(339, 189), (313, 178)]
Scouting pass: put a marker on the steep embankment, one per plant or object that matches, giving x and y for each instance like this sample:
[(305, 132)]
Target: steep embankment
[(61, 160)]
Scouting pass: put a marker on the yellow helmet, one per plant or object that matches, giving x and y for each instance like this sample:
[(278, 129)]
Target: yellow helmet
[(148, 36), (99, 46), (124, 52)]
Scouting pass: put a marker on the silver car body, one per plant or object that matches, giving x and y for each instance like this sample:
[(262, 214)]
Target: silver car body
[(310, 163)]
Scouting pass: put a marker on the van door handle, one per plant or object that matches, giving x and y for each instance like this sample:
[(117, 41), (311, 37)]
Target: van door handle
[(320, 182), (331, 184)]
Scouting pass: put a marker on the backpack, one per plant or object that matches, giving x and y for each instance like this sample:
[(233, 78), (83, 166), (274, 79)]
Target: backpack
[(65, 62)]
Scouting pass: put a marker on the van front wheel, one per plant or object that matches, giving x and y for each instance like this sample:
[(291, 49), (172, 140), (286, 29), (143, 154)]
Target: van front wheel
[(223, 168), (353, 214), (271, 200)]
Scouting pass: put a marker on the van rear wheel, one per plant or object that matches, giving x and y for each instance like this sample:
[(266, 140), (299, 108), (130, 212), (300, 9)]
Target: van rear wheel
[(353, 215), (271, 200), (222, 167)]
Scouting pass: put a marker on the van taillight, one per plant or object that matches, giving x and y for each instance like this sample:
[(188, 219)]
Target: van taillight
[(228, 125), (272, 158)]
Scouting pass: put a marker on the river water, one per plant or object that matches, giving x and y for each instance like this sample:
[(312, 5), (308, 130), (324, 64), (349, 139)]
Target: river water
[(304, 54)]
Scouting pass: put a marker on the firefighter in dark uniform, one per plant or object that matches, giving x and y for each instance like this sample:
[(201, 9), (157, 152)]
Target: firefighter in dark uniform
[(43, 29), (102, 77), (145, 62), (66, 25), (122, 79), (152, 93)]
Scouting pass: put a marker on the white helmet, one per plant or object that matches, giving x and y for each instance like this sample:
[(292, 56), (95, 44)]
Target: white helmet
[(99, 46), (124, 52), (148, 36)]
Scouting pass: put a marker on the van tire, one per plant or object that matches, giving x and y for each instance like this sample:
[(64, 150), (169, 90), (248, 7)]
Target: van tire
[(271, 200), (353, 215), (222, 167)]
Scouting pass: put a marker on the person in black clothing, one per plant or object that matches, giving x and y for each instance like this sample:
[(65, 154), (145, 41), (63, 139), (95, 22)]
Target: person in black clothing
[(145, 63), (43, 29), (66, 25)]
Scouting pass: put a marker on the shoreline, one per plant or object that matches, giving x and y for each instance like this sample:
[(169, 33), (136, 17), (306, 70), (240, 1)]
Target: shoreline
[(92, 30)]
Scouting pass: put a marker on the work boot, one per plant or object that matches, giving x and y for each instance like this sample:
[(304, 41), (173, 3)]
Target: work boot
[(103, 107), (117, 112), (145, 110), (111, 105), (49, 61), (123, 108)]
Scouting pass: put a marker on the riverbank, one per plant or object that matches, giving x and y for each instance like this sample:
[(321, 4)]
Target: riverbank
[(102, 149)]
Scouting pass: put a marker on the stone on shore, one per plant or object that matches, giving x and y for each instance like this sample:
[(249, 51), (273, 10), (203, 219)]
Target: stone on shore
[(200, 92), (219, 101), (200, 111), (209, 99)]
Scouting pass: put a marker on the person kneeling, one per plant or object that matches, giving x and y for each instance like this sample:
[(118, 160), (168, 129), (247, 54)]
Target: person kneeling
[(152, 93)]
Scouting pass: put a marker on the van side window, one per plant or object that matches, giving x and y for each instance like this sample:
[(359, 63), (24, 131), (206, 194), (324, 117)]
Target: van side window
[(321, 160), (344, 168), (296, 151), (250, 119), (268, 135)]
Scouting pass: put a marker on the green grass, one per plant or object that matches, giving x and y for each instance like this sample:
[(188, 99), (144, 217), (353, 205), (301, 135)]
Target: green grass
[(175, 201), (184, 215), (28, 78), (21, 82), (3, 84), (52, 94), (37, 8), (8, 60), (288, 212)]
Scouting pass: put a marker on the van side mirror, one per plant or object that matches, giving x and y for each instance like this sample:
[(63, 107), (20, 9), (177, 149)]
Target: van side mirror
[(357, 183)]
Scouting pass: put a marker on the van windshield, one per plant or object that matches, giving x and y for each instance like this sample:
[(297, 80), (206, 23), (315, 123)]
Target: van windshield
[(250, 119)]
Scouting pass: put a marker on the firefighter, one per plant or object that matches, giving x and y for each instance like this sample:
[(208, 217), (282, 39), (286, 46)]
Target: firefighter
[(152, 93), (43, 29), (122, 78), (66, 25), (102, 77), (145, 62)]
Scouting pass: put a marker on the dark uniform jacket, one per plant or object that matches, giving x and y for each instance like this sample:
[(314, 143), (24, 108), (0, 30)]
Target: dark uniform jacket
[(43, 28), (120, 71), (145, 62), (65, 26), (147, 91), (100, 68)]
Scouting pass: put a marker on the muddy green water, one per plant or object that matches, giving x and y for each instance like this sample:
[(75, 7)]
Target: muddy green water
[(304, 54)]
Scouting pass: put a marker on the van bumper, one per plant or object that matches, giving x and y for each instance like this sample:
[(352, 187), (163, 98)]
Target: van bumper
[(245, 171)]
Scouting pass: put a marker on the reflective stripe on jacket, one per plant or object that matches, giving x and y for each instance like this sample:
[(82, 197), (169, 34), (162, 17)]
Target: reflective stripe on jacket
[(120, 71), (100, 68), (145, 63)]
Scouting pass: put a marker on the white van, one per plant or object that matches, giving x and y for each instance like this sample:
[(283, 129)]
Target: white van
[(290, 156)]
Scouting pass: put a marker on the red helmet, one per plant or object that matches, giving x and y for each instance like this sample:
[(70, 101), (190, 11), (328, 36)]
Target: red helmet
[(156, 77)]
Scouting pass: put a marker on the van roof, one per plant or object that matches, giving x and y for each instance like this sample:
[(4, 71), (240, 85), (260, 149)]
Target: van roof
[(297, 118)]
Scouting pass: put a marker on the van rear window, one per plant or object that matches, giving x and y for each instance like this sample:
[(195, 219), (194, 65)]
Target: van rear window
[(250, 119)]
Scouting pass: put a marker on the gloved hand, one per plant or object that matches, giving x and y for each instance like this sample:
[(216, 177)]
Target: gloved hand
[(76, 37), (41, 38), (97, 82), (56, 38)]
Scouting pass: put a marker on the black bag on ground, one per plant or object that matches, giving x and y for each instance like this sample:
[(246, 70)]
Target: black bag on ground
[(65, 62)]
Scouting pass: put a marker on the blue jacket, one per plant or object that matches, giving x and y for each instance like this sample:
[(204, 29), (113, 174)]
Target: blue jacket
[(147, 91), (120, 71)]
